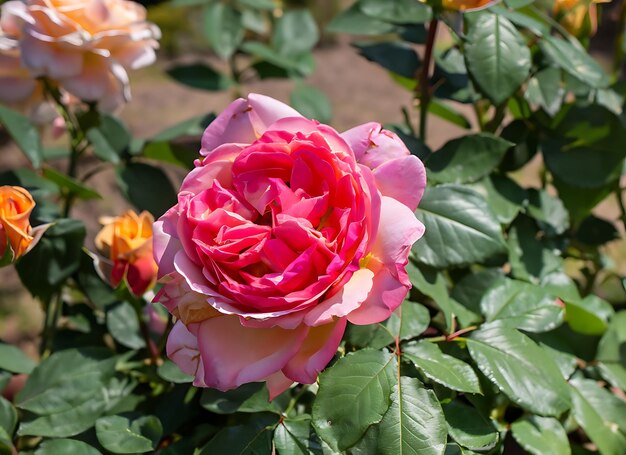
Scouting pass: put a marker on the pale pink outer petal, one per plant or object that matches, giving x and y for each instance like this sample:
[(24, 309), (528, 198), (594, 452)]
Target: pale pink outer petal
[(164, 244), (182, 349), (346, 300), (358, 138), (277, 383), (398, 230), (403, 179), (244, 121), (233, 355), (316, 351)]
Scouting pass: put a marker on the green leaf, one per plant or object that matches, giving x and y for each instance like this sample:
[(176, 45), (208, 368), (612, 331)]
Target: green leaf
[(442, 368), (530, 18), (395, 56), (153, 181), (612, 351), (520, 369), (460, 228), (70, 185), (467, 159), (596, 231), (504, 196), (531, 256), (354, 20), (68, 392), (54, 259), (14, 360), (172, 373), (546, 90), (497, 56), (446, 112), (295, 32), (541, 435), (362, 383), (292, 436), (468, 427), (119, 434), (414, 423), (253, 437), (8, 420), (65, 447), (469, 291), (194, 126), (23, 133), (525, 147), (575, 60), (589, 316), (123, 326), (109, 139), (251, 397), (522, 305), (600, 414), (549, 212), (200, 76), (311, 102), (223, 28), (302, 64), (397, 11)]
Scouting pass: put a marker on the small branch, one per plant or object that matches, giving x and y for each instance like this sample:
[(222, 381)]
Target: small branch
[(423, 77)]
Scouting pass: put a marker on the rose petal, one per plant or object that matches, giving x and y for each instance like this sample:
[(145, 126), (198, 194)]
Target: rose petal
[(277, 383), (316, 351), (182, 349), (233, 355), (403, 179)]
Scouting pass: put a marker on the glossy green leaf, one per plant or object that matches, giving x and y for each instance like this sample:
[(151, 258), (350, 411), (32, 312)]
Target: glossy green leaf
[(70, 185), (362, 383), (8, 422), (497, 56), (596, 231), (123, 326), (398, 11), (588, 316), (460, 228), (468, 427), (414, 423), (546, 90), (397, 57), (467, 159), (200, 76), (302, 64), (448, 113), (223, 28), (354, 20), (153, 181), (575, 60), (109, 139), (525, 148), (14, 360), (601, 415), (549, 212), (520, 369), (612, 351), (504, 196), (67, 392), (295, 32), (442, 368), (251, 397), (172, 373), (293, 436), (311, 102), (469, 291), (541, 435), (522, 305), (65, 447), (253, 437), (119, 434), (23, 133)]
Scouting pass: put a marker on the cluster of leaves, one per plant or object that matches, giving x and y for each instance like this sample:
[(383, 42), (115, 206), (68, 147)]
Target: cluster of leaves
[(504, 340)]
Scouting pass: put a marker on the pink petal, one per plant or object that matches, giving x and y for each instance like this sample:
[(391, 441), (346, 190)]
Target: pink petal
[(182, 349), (358, 138), (348, 299), (165, 244), (233, 355), (316, 351), (232, 125), (267, 110), (403, 179), (277, 383), (386, 295)]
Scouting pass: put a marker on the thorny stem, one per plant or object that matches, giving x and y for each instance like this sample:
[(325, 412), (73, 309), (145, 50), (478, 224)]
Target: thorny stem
[(423, 87), (453, 336)]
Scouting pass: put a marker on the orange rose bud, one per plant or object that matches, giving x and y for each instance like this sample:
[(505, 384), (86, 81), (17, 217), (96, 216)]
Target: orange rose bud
[(126, 241), (579, 17), (16, 204)]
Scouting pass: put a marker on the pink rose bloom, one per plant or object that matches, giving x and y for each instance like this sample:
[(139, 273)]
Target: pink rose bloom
[(284, 232), (84, 45)]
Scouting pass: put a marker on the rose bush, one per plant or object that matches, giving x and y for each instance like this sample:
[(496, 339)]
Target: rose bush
[(16, 205), (126, 243), (284, 232), (85, 45)]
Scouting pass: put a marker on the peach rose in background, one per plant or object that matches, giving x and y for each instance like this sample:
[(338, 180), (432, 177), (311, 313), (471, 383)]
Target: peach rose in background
[(284, 232), (84, 45), (572, 14), (16, 205), (126, 243)]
